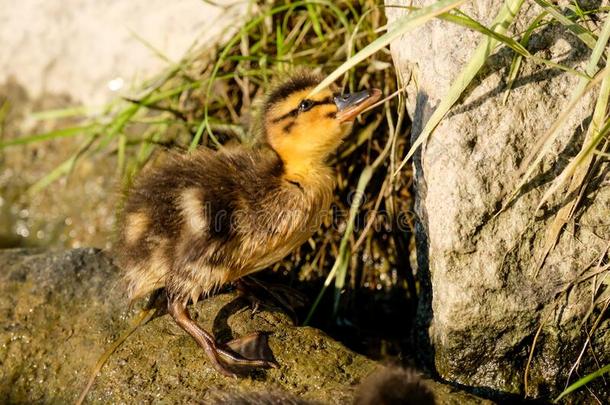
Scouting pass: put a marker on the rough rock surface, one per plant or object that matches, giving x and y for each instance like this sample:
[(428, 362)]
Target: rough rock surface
[(485, 303), (60, 310)]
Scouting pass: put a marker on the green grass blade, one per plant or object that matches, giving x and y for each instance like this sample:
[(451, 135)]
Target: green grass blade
[(4, 108), (585, 380), (501, 23), (576, 171), (62, 170), (59, 133), (598, 49), (198, 134), (516, 62), (342, 268), (598, 133), (117, 125), (342, 257), (582, 33), (78, 111), (363, 181), (313, 15), (279, 42), (233, 41), (150, 46), (468, 22), (531, 163), (121, 154), (400, 27)]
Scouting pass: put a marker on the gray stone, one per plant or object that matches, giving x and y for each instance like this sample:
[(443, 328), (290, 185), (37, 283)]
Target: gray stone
[(484, 303), (59, 311)]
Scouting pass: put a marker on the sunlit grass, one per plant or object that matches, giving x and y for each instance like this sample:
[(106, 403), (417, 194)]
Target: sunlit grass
[(582, 382), (208, 99)]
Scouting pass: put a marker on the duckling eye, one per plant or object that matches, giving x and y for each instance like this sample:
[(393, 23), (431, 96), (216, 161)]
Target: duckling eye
[(305, 105)]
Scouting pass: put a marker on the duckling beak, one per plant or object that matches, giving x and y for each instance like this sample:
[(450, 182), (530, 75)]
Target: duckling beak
[(350, 105)]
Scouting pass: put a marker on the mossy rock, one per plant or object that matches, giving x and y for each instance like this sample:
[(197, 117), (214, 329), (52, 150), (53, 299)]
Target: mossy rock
[(59, 312)]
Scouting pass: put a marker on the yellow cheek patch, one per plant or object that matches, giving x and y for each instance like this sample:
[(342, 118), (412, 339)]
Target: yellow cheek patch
[(303, 139), (309, 127), (320, 113)]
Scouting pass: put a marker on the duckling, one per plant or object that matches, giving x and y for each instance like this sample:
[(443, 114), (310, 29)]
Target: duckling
[(202, 220), (390, 385), (394, 385)]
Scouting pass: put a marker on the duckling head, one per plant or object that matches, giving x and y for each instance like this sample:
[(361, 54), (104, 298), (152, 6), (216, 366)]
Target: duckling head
[(304, 130)]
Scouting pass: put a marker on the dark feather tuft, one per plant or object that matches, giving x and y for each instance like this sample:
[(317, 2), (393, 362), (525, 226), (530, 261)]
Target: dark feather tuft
[(297, 81), (273, 397), (394, 386)]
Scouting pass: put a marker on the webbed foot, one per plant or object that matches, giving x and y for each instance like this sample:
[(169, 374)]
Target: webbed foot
[(232, 359)]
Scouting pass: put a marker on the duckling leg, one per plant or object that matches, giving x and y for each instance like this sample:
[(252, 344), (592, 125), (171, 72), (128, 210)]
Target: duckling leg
[(250, 345)]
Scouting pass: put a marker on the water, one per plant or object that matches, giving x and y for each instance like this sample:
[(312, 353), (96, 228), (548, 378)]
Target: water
[(72, 212)]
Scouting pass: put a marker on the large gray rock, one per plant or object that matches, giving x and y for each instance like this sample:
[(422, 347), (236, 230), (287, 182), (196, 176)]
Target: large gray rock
[(59, 311), (484, 303)]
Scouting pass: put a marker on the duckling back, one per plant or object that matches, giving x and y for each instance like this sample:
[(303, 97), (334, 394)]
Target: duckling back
[(201, 220)]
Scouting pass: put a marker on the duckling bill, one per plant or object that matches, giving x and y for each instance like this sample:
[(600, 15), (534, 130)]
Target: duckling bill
[(205, 219)]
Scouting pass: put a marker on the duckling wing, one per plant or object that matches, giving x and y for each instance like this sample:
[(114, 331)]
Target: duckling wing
[(191, 224)]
